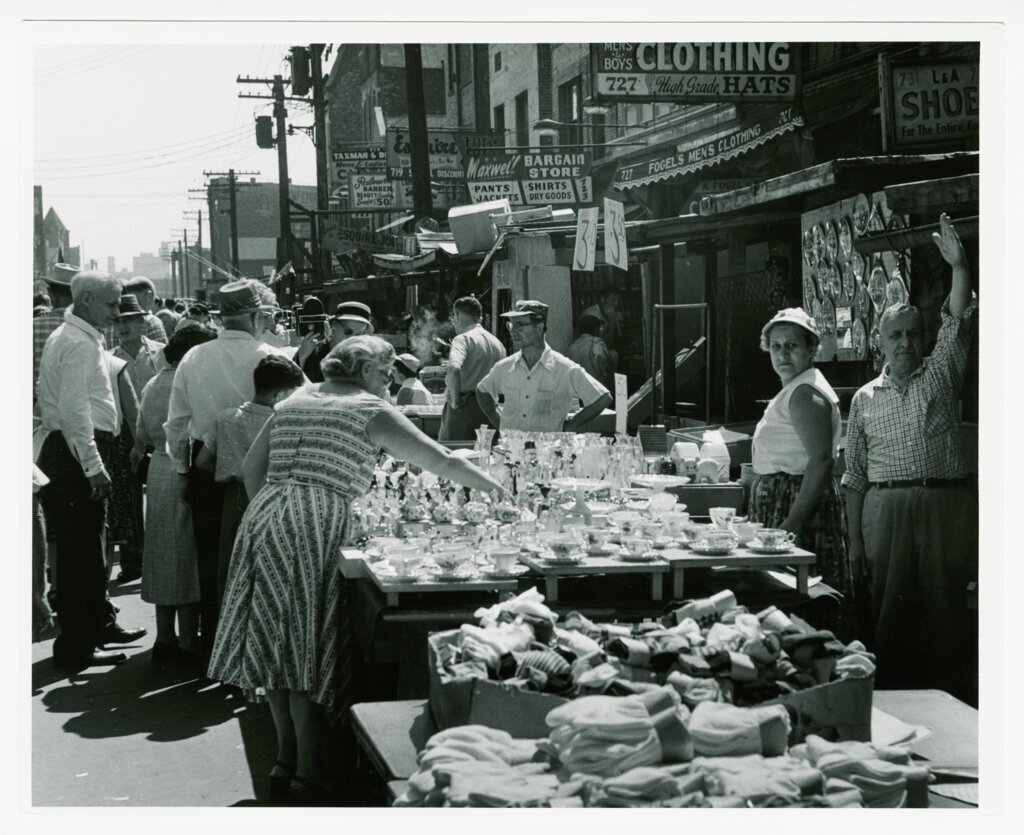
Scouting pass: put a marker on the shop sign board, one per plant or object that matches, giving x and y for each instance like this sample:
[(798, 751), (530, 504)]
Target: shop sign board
[(763, 71), (585, 253), (691, 206), (615, 252), (530, 179), (357, 159), (343, 239), (446, 148), (707, 150), (371, 191), (934, 104)]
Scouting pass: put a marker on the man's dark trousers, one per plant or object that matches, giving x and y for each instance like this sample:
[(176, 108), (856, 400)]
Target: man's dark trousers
[(206, 498), (78, 528)]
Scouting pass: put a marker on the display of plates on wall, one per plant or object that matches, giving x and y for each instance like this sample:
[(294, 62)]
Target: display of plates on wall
[(835, 279), (845, 238), (810, 293), (827, 325), (849, 283), (876, 223), (876, 341), (857, 266), (831, 240), (862, 303), (896, 291), (818, 242), (818, 312), (877, 288), (808, 247), (861, 213), (859, 337)]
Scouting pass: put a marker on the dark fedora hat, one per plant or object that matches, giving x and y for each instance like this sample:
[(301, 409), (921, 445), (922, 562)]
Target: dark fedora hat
[(129, 307)]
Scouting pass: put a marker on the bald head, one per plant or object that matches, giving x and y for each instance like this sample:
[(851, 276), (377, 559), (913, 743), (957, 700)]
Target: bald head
[(95, 295)]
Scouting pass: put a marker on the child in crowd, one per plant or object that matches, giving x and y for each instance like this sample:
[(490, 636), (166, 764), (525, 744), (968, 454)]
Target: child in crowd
[(225, 448), (412, 392)]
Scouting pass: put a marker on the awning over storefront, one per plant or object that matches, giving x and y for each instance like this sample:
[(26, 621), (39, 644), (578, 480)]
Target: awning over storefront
[(856, 174), (709, 149)]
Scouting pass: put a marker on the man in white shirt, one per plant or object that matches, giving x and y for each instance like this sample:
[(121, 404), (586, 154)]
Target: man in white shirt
[(538, 385), (473, 354), (210, 378), (412, 392), (79, 412)]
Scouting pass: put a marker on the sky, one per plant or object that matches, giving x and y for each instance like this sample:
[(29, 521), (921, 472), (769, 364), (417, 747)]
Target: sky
[(123, 131)]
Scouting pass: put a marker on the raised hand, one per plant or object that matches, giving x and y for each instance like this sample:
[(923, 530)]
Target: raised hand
[(948, 242)]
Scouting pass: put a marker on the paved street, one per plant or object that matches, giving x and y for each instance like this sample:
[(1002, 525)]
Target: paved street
[(136, 735)]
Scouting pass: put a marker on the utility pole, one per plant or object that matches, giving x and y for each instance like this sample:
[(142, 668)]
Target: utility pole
[(421, 200), (320, 142), (280, 114), (232, 186), (198, 215)]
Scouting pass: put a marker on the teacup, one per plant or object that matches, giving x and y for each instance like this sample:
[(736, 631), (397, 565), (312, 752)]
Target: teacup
[(695, 532), (673, 522), (637, 545), (650, 529), (626, 521), (723, 517), (773, 538), (597, 537), (661, 503), (746, 531), (720, 539), (561, 545), (404, 558), (504, 559)]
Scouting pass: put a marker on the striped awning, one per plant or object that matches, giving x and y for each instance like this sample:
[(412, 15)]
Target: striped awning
[(709, 149)]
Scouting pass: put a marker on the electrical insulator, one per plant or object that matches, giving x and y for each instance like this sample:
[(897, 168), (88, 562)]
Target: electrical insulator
[(264, 132), (300, 70)]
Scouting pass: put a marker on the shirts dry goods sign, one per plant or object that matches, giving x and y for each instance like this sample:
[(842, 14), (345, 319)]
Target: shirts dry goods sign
[(695, 72), (541, 179)]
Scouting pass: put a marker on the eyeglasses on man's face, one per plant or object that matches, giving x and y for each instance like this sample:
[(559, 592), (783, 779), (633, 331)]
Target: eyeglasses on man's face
[(515, 326)]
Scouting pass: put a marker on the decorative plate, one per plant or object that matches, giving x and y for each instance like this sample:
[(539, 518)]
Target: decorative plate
[(828, 314), (861, 213), (845, 238), (810, 292), (876, 340), (857, 266), (849, 282), (895, 292), (877, 288), (516, 571), (860, 338), (659, 482), (862, 302), (876, 222), (808, 248), (785, 548), (710, 552), (819, 243), (831, 240), (592, 485)]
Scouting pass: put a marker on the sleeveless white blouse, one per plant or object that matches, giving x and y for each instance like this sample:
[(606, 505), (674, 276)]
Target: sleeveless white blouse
[(776, 446)]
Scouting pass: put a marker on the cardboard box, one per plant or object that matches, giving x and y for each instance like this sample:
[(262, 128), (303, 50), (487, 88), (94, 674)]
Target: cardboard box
[(472, 701), (838, 711), (700, 498)]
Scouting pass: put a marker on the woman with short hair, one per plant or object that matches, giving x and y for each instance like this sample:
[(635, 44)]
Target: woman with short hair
[(284, 622)]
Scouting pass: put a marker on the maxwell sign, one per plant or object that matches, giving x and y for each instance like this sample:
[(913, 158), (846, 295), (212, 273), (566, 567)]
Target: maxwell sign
[(695, 72), (530, 179)]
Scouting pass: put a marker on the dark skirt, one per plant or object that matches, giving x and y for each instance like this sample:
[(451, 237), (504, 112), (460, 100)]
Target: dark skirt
[(824, 532), (123, 524)]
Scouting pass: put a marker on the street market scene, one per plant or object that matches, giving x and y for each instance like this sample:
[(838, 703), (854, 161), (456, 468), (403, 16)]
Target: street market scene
[(508, 425)]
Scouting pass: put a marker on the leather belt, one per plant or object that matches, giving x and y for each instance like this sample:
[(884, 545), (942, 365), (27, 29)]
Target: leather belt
[(921, 482), (103, 435)]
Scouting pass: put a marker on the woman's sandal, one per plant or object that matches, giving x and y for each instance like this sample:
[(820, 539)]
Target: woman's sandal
[(307, 792), (281, 784)]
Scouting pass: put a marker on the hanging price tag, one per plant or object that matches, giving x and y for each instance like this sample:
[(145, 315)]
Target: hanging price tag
[(586, 241), (615, 234), (621, 404)]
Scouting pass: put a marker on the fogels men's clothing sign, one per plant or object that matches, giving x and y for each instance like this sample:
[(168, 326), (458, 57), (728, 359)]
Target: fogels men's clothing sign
[(530, 179)]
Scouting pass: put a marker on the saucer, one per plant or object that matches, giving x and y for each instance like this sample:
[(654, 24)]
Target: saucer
[(505, 575), (574, 559), (603, 551), (647, 556), (530, 549), (711, 552), (759, 548), (441, 577)]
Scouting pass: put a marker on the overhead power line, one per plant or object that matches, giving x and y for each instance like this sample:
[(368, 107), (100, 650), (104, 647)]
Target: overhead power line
[(197, 140), (75, 63), (83, 70), (47, 177)]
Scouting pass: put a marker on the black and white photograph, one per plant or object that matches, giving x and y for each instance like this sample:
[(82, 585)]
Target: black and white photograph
[(426, 422)]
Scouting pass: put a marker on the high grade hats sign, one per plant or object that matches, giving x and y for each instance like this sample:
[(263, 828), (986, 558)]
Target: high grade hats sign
[(542, 178), (695, 72)]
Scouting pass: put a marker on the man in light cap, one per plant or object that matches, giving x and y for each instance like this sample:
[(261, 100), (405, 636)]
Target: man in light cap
[(349, 319), (210, 378), (537, 384), (412, 392), (913, 515)]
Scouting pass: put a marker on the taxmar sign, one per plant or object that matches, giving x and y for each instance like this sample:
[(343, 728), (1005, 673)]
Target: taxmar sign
[(718, 71), (530, 179)]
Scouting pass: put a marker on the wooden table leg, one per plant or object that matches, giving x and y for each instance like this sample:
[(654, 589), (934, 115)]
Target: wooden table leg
[(677, 583), (657, 592), (551, 589), (801, 578)]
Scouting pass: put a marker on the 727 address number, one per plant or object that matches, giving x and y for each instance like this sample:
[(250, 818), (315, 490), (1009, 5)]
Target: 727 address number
[(620, 83)]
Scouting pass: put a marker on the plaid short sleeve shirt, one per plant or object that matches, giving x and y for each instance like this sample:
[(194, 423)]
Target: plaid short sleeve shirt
[(898, 436)]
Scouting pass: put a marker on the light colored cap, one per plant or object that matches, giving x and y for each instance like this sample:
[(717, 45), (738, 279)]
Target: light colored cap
[(793, 316), (410, 361)]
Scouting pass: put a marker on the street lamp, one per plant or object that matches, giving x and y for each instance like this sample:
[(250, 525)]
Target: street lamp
[(550, 127)]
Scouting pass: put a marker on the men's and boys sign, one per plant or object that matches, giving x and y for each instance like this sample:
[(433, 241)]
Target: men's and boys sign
[(544, 178)]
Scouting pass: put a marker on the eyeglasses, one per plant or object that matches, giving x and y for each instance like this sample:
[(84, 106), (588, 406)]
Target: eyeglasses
[(514, 326)]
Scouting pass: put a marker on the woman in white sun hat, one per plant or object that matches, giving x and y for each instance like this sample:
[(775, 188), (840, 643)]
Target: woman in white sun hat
[(794, 449)]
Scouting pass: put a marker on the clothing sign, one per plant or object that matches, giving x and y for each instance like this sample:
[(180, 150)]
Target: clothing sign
[(706, 151), (621, 404), (371, 191), (695, 72), (586, 240), (935, 104), (446, 149), (615, 252), (691, 206), (530, 179)]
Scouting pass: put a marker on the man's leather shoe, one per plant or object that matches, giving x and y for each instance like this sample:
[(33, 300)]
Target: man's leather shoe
[(119, 635), (96, 658), (128, 575)]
